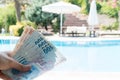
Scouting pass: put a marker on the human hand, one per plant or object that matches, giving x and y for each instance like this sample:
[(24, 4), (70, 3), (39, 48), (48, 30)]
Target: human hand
[(7, 62)]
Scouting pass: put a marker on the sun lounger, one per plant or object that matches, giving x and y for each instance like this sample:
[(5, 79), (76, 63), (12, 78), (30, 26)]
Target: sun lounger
[(102, 33), (46, 33), (81, 30), (75, 31)]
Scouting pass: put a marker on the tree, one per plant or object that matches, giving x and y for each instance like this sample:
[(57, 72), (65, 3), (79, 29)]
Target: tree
[(35, 14), (84, 4), (18, 4), (17, 7)]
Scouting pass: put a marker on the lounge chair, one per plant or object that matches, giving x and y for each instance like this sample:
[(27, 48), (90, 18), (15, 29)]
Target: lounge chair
[(81, 30), (46, 33), (102, 33), (75, 31)]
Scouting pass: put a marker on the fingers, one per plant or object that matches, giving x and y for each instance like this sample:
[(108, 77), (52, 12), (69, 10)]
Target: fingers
[(9, 53), (27, 31), (4, 77), (8, 63), (14, 64)]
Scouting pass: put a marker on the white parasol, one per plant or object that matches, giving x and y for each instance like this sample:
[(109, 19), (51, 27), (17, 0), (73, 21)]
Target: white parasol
[(93, 18), (61, 8)]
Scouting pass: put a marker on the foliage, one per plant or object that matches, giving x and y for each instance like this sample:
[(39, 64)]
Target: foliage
[(1, 24), (35, 14), (17, 29), (20, 30), (99, 6), (76, 2), (109, 10), (56, 23), (7, 16), (114, 26), (84, 4), (118, 3), (14, 29), (28, 23)]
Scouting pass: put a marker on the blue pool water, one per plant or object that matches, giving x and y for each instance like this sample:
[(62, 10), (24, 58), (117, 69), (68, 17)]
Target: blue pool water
[(83, 56)]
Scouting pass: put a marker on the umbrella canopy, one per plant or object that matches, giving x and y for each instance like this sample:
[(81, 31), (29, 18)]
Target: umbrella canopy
[(61, 8), (93, 18)]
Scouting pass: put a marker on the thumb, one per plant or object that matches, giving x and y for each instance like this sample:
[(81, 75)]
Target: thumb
[(14, 64)]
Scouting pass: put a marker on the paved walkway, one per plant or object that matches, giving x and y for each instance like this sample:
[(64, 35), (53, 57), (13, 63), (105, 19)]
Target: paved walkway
[(79, 76), (56, 37)]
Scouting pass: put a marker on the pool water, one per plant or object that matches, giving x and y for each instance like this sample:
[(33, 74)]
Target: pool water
[(90, 56), (83, 56)]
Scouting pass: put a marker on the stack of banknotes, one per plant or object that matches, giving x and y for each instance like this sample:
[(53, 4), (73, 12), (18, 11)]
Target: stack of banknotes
[(34, 49)]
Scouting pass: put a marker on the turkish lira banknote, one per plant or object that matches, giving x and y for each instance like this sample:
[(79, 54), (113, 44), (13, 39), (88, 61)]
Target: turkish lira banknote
[(34, 49)]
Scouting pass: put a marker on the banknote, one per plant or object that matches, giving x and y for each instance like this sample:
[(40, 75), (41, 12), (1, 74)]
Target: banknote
[(34, 49)]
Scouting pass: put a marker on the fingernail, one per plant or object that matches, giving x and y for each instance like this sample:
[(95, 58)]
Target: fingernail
[(27, 67)]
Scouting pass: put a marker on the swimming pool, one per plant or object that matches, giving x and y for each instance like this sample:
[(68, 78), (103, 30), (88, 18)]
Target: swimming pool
[(82, 56)]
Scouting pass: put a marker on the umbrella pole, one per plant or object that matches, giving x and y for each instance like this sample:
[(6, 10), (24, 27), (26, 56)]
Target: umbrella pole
[(61, 24), (92, 31)]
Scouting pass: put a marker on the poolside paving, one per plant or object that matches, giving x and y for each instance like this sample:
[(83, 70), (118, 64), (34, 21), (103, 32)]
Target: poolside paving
[(62, 38), (79, 76)]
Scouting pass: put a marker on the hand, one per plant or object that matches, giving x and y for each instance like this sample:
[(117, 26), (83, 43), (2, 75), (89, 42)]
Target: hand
[(7, 62)]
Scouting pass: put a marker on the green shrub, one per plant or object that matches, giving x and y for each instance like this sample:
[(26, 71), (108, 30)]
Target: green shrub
[(14, 29), (98, 5), (109, 10), (29, 23), (18, 28), (102, 27), (114, 26), (7, 16), (9, 20)]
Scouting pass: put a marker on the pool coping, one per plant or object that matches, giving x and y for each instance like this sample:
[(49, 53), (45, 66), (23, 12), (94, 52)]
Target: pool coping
[(58, 38)]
